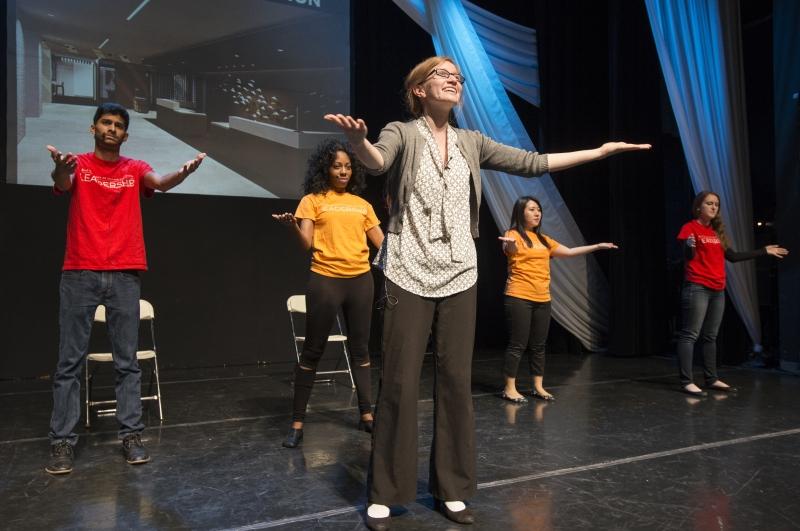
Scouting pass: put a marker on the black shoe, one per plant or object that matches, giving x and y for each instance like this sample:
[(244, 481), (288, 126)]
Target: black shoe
[(293, 438), (537, 394), (464, 517), (377, 524), (729, 389), (366, 425), (62, 454), (133, 450), (518, 400), (694, 393)]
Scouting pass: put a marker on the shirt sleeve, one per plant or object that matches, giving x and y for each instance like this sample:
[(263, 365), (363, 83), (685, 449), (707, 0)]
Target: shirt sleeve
[(306, 209), (144, 169), (685, 232), (500, 157), (370, 220), (553, 244), (739, 256), (389, 144)]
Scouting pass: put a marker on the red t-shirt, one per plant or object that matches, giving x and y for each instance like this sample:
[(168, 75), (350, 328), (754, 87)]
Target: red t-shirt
[(104, 227), (707, 268)]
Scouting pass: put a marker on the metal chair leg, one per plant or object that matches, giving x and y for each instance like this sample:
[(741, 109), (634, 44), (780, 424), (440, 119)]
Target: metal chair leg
[(158, 389), (87, 389)]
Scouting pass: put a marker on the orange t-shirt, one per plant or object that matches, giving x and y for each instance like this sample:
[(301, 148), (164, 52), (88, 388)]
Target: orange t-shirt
[(529, 268), (341, 221)]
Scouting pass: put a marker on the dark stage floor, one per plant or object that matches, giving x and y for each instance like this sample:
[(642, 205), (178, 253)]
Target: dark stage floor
[(619, 449)]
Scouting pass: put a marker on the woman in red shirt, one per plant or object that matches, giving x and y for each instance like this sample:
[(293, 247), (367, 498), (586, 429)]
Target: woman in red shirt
[(527, 294), (703, 295)]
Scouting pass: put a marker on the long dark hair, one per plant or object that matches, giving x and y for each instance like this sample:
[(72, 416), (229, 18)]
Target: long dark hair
[(317, 180), (518, 220), (716, 221)]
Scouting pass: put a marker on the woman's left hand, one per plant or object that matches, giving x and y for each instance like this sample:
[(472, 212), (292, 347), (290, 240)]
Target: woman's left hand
[(606, 245), (776, 251), (612, 148)]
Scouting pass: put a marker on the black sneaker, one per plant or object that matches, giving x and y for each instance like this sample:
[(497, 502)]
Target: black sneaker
[(62, 454), (133, 450)]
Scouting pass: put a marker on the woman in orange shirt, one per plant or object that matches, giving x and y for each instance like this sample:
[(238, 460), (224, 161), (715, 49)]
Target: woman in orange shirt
[(527, 294), (335, 225)]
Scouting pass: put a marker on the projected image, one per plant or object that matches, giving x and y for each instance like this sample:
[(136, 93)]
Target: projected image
[(245, 81)]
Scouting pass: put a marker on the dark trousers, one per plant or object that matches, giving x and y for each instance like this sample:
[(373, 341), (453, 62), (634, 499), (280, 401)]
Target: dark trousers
[(324, 297), (702, 310), (408, 319), (528, 323), (80, 294)]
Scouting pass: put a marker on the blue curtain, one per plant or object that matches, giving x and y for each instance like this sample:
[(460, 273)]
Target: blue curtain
[(699, 47), (580, 291)]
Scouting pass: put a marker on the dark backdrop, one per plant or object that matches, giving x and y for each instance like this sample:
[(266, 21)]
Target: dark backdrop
[(221, 269)]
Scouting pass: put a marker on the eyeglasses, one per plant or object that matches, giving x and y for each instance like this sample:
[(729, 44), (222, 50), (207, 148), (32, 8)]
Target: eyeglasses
[(445, 74)]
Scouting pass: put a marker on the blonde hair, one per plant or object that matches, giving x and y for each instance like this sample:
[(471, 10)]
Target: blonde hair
[(417, 76)]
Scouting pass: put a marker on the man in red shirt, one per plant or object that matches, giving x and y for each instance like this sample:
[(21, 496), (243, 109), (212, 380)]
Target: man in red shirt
[(104, 255)]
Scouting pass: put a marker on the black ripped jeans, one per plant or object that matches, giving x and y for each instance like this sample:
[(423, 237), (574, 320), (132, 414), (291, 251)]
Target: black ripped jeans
[(324, 297)]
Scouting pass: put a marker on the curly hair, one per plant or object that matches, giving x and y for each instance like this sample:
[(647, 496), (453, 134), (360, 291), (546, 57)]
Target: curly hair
[(518, 220), (716, 221), (317, 179)]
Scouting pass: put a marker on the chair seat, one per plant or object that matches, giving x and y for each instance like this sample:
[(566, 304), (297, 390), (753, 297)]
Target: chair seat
[(106, 356)]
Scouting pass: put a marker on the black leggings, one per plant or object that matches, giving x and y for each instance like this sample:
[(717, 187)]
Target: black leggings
[(528, 323), (324, 297)]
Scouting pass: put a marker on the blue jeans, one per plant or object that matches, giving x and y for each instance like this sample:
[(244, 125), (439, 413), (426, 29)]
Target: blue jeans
[(702, 314), (80, 294)]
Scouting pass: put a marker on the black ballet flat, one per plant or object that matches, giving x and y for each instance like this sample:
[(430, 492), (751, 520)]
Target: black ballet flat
[(293, 438), (698, 394), (463, 517), (518, 400), (366, 425), (548, 398), (729, 389)]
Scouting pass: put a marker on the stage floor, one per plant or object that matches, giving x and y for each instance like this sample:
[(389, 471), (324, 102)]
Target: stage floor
[(621, 448)]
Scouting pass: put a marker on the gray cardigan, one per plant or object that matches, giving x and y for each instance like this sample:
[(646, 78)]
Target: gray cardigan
[(401, 146)]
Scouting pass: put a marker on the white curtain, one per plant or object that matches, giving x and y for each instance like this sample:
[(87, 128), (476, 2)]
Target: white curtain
[(699, 47)]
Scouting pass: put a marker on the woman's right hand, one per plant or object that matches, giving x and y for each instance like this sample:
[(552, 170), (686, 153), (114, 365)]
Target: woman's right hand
[(287, 218), (509, 244), (691, 242), (354, 129)]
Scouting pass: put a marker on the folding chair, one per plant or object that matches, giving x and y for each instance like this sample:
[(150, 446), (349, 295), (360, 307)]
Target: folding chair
[(296, 304), (146, 313)]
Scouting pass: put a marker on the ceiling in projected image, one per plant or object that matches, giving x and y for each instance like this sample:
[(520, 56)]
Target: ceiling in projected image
[(245, 81)]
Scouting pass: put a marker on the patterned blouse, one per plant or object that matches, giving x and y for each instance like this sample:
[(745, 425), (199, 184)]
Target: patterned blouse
[(434, 253)]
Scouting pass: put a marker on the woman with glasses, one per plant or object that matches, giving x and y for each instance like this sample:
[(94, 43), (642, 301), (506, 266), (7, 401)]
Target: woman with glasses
[(429, 260), (706, 248)]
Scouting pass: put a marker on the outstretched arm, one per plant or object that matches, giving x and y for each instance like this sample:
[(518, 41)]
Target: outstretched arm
[(356, 132), (562, 251), (739, 256), (562, 161), (304, 230), (171, 180), (64, 168)]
